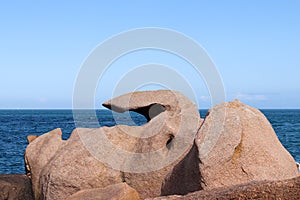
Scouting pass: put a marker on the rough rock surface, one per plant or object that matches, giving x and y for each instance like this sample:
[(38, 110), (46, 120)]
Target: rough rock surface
[(284, 189), (119, 191), (185, 177), (172, 119), (86, 161), (73, 168), (38, 154), (236, 144), (30, 138), (15, 187)]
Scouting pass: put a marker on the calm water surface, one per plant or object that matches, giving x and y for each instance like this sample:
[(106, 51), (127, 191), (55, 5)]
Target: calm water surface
[(15, 125)]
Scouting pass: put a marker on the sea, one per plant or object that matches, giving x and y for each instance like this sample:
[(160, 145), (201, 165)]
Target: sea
[(15, 125)]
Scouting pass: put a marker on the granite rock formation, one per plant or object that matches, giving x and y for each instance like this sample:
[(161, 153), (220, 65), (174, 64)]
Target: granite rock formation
[(96, 158)]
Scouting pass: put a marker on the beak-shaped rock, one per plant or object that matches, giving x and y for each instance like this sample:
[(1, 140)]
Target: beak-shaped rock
[(141, 156)]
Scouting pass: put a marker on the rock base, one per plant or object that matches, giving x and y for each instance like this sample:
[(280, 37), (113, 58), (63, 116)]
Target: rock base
[(285, 189), (15, 186)]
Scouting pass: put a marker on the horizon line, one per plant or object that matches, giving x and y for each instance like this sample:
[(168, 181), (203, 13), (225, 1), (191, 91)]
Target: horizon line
[(263, 108)]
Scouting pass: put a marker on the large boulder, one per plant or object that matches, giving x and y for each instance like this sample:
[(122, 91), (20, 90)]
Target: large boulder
[(247, 148), (73, 168), (38, 154), (15, 187), (141, 156), (236, 144), (120, 191)]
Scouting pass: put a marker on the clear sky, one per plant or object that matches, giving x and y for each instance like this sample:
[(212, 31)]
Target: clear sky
[(254, 44)]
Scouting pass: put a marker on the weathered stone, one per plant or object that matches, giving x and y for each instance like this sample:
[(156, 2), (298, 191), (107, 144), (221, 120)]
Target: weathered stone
[(141, 156), (172, 119), (247, 148), (73, 168), (15, 187), (236, 144), (119, 191), (283, 189), (38, 154)]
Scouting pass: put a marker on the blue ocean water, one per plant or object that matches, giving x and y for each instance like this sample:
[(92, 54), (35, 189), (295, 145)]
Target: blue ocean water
[(15, 125)]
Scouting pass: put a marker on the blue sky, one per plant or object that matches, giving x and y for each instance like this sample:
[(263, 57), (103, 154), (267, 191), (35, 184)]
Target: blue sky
[(254, 44)]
